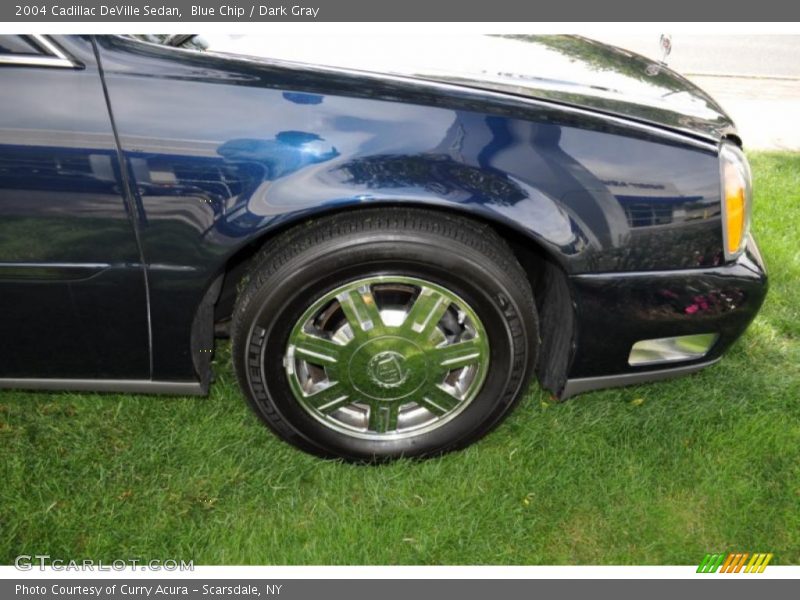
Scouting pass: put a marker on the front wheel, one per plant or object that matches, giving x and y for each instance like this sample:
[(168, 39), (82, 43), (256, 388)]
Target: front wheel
[(385, 333)]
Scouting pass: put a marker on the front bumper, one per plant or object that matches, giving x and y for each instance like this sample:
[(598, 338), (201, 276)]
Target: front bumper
[(615, 310)]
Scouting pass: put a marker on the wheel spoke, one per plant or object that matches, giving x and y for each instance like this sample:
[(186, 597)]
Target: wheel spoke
[(361, 310), (383, 417), (389, 370), (330, 398), (438, 400), (425, 314), (460, 354), (314, 349)]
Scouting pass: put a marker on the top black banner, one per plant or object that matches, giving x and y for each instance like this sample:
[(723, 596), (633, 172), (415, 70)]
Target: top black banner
[(396, 11)]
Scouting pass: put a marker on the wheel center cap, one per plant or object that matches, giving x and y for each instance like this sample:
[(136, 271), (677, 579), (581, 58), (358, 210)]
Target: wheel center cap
[(388, 369)]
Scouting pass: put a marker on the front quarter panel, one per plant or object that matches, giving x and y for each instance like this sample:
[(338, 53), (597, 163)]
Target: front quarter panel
[(222, 152)]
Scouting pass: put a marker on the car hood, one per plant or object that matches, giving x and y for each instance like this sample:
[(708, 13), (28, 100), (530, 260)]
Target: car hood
[(567, 70)]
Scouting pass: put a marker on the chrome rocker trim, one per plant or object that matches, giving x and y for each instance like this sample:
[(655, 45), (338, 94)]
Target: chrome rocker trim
[(128, 386), (574, 387)]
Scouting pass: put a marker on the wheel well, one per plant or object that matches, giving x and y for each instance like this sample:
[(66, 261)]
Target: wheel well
[(547, 279), (733, 138)]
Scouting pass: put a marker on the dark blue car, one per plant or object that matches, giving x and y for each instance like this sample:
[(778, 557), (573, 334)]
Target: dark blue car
[(394, 255)]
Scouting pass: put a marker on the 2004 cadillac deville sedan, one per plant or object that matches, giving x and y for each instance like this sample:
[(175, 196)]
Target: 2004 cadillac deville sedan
[(394, 254)]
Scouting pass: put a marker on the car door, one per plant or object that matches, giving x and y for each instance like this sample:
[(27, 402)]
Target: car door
[(73, 301)]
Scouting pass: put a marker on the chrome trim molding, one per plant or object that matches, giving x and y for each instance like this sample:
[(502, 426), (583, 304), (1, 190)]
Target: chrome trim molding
[(128, 386), (30, 271), (35, 61), (574, 387), (56, 57)]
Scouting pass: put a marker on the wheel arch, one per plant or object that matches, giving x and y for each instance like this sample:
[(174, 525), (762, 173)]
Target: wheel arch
[(542, 265)]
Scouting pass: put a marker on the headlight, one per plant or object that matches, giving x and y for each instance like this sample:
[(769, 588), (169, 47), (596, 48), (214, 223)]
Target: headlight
[(737, 192)]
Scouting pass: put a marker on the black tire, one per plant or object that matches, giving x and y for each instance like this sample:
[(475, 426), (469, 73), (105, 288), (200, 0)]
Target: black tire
[(304, 263)]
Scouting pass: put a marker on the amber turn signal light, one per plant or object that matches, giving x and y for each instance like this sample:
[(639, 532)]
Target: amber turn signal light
[(736, 199)]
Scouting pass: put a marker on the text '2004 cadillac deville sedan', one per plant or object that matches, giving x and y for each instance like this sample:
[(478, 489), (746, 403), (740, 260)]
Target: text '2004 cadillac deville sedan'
[(394, 254)]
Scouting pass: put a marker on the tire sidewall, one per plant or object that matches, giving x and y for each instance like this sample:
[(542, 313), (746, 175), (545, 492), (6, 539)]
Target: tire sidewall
[(273, 309)]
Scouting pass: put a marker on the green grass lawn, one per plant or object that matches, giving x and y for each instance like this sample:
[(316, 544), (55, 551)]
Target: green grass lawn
[(655, 474)]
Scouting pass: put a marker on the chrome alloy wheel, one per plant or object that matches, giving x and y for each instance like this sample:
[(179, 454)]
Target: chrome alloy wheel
[(387, 357)]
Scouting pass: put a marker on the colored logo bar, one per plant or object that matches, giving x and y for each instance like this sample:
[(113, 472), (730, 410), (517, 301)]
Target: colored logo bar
[(735, 562)]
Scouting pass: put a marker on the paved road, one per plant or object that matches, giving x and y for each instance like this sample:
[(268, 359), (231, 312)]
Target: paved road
[(756, 78), (762, 55)]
